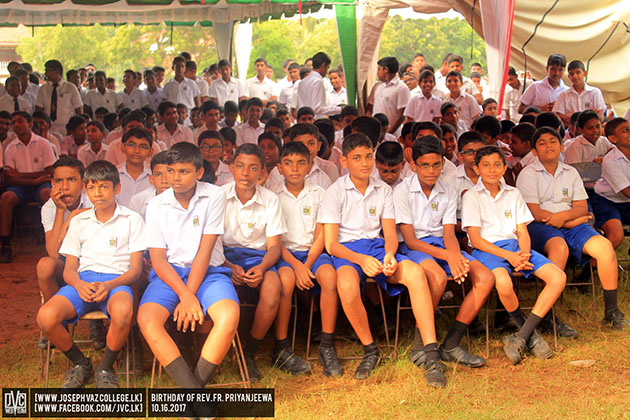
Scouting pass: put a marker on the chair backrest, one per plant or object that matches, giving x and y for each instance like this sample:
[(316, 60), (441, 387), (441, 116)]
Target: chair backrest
[(589, 171)]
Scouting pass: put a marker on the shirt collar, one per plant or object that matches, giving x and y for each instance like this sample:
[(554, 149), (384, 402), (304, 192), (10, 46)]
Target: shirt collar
[(170, 199), (481, 187), (372, 185), (415, 186), (122, 169), (561, 85), (256, 198), (119, 211)]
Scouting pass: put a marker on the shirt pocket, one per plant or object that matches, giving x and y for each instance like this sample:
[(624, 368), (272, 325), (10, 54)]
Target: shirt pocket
[(252, 225)]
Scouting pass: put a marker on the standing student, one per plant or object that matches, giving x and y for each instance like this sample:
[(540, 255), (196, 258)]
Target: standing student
[(580, 96), (153, 92), (131, 96), (355, 210), (466, 104), (495, 217), (311, 91), (180, 89), (58, 98), (260, 86), (424, 107), (94, 149), (543, 93), (249, 131), (226, 88), (390, 95)]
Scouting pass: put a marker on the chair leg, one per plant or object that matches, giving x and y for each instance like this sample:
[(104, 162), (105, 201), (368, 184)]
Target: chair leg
[(295, 315), (310, 328), (488, 325), (153, 371), (555, 333), (380, 296), (240, 356), (593, 290), (397, 325), (47, 366), (127, 361)]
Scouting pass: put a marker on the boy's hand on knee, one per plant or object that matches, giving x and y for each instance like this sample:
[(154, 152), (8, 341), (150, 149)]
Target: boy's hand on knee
[(303, 276), (254, 276), (187, 312), (102, 291), (86, 290), (458, 264), (524, 262), (390, 265), (371, 266), (238, 274)]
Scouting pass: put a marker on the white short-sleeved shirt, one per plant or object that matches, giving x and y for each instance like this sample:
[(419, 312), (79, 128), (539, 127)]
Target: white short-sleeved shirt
[(227, 91), (428, 215), (420, 108), (511, 102), (134, 100), (116, 155), (389, 97), (263, 90), (86, 155), (615, 177), (497, 217), (358, 216), (105, 247), (95, 99), (328, 167), (245, 133), (49, 209), (183, 92), (154, 99), (301, 215), (334, 98), (582, 150), (249, 225), (569, 101), (129, 186), (541, 93), (7, 103), (68, 99), (528, 159), (317, 176), (223, 174), (181, 133), (467, 105), (140, 201), (202, 85), (459, 181), (554, 192), (448, 167), (32, 157), (179, 230)]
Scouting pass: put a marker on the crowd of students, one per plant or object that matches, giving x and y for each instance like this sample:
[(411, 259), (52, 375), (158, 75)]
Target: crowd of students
[(170, 213)]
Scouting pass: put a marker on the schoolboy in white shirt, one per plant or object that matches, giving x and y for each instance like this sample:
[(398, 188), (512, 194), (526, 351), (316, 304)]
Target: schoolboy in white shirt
[(212, 145), (556, 197), (495, 217), (580, 96), (253, 227), (188, 282), (590, 146), (467, 105), (426, 210), (180, 89), (103, 249), (134, 175), (424, 107), (355, 210), (94, 149), (159, 184), (303, 259)]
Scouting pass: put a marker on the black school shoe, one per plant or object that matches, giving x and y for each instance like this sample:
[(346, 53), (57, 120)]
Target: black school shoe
[(514, 347), (289, 362), (562, 329), (417, 357), (78, 376), (329, 361), (367, 366), (616, 320), (434, 374), (106, 379), (252, 369), (538, 347), (460, 355)]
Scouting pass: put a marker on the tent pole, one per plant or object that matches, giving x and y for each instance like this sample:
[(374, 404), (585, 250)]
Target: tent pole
[(347, 33)]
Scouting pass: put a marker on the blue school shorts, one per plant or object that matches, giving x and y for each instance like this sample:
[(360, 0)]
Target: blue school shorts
[(29, 194), (492, 261), (575, 238), (216, 285), (606, 210), (246, 257), (419, 256), (301, 256), (82, 307), (374, 248)]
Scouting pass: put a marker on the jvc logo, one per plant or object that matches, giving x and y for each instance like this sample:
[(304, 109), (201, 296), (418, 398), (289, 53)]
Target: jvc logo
[(15, 403)]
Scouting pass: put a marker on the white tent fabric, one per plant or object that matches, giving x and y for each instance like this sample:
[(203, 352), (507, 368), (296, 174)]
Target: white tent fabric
[(243, 48), (223, 32)]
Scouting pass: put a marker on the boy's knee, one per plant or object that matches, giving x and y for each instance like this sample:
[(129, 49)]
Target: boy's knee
[(485, 280), (45, 318), (122, 310), (347, 287), (46, 267), (559, 249), (145, 318)]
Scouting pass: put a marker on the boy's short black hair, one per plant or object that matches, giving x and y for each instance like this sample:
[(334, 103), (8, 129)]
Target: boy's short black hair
[(487, 102), (382, 118), (454, 57), (407, 128), (74, 122), (355, 140), (389, 153), (163, 106), (549, 119), (101, 110), (586, 116), (557, 60), (389, 63), (469, 137), (487, 124), (426, 145), (447, 128), (254, 102), (27, 116), (101, 170), (280, 111), (425, 75), (268, 135), (182, 106), (349, 110), (228, 134), (323, 145), (527, 118), (109, 119), (250, 149), (266, 115), (512, 71), (576, 64), (139, 133), (242, 104), (53, 65), (369, 126), (137, 116), (426, 125), (230, 107), (184, 152), (67, 161), (574, 118), (210, 134), (533, 109), (275, 122), (295, 148), (96, 124), (446, 106), (300, 129), (455, 73), (543, 130), (305, 110), (209, 105), (612, 125), (525, 132), (320, 59), (487, 151), (506, 126), (326, 128), (36, 114), (159, 159), (208, 173)]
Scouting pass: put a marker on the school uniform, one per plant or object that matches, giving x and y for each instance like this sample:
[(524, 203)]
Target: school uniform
[(136, 99), (569, 101), (202, 85), (316, 176), (70, 147), (224, 91), (329, 168), (129, 186), (389, 97), (498, 217), (68, 99), (245, 133), (459, 181), (541, 93), (104, 252), (181, 133), (334, 98), (420, 108), (582, 150), (154, 99), (526, 160), (555, 193), (609, 202), (223, 175), (359, 219), (448, 167), (116, 155), (183, 92), (427, 215), (109, 100), (467, 105), (49, 210), (140, 201), (247, 226), (35, 156), (10, 104), (179, 231), (86, 155), (257, 89)]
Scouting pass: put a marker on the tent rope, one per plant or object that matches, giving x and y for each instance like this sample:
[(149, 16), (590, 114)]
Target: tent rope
[(588, 63)]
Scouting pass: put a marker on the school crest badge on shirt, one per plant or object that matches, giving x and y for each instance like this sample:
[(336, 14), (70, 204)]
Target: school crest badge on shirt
[(113, 242), (372, 211), (565, 192), (507, 214), (196, 221), (306, 210), (435, 206)]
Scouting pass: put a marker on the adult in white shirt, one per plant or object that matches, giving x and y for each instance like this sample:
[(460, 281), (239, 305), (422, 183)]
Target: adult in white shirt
[(101, 97), (390, 95), (248, 132), (544, 93), (131, 96), (152, 92), (337, 95), (311, 91), (578, 97), (260, 86), (170, 132), (58, 98), (12, 101), (202, 85), (180, 89), (226, 88)]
